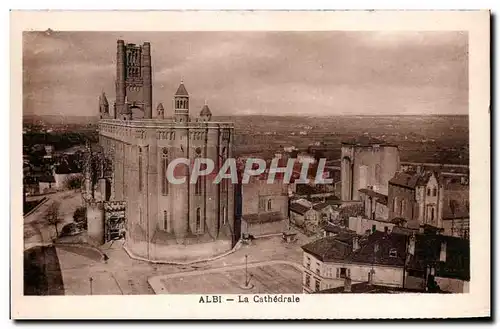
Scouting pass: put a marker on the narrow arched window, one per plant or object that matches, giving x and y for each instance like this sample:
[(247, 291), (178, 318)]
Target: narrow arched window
[(166, 221), (164, 166), (140, 169), (198, 220), (269, 205)]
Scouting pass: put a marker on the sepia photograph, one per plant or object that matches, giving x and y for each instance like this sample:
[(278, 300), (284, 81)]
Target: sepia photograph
[(247, 166)]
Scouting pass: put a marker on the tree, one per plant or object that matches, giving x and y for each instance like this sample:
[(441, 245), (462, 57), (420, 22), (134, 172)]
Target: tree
[(73, 182), (53, 216), (80, 218)]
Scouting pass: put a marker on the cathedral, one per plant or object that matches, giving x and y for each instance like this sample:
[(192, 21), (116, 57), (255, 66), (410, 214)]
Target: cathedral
[(164, 221)]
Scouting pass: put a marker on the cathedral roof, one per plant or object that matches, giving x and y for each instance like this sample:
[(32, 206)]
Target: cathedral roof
[(205, 111), (181, 91)]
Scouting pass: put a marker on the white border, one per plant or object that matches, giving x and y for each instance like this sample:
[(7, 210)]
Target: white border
[(476, 303)]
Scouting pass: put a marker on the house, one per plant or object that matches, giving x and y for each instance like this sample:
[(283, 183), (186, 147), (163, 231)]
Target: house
[(361, 225), (326, 211), (330, 229), (421, 261), (65, 171), (375, 204), (445, 258), (439, 201), (305, 217), (378, 258), (264, 207), (264, 224), (46, 184)]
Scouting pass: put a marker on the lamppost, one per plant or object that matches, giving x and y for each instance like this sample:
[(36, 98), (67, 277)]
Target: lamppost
[(247, 284), (90, 281), (246, 270)]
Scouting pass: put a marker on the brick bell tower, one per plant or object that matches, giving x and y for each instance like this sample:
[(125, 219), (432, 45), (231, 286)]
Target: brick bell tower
[(133, 81)]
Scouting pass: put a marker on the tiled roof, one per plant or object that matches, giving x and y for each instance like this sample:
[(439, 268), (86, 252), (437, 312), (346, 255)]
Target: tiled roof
[(391, 249), (298, 208), (373, 249), (405, 180), (328, 227), (181, 91), (377, 247), (321, 206), (403, 230), (305, 189), (328, 249), (267, 217)]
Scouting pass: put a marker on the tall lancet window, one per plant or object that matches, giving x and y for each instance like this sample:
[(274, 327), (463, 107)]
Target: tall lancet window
[(198, 220), (199, 182), (140, 169), (166, 221), (164, 166)]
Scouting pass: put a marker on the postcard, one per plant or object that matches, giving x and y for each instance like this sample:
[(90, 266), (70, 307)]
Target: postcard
[(250, 164)]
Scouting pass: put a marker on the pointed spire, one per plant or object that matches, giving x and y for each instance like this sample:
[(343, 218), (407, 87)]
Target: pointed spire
[(205, 110), (181, 91), (103, 101)]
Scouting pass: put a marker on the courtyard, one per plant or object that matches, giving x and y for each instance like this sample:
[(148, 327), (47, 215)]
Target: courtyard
[(272, 277), (273, 264)]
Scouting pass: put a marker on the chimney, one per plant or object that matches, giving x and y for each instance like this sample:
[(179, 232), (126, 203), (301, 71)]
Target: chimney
[(347, 284), (355, 243), (442, 253)]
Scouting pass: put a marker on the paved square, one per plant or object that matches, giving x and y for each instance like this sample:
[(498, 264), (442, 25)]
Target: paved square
[(273, 277)]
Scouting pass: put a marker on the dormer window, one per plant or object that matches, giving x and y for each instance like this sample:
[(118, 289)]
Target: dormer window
[(393, 253)]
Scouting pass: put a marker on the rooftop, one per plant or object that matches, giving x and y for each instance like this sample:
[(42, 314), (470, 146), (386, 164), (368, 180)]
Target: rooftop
[(298, 208), (391, 250), (405, 179), (267, 217), (379, 197)]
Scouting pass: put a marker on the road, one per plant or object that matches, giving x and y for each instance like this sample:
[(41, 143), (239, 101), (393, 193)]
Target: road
[(37, 232)]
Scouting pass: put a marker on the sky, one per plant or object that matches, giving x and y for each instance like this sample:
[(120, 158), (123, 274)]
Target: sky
[(257, 73)]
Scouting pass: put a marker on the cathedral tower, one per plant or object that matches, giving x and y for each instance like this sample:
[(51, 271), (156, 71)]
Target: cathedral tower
[(133, 80), (181, 104)]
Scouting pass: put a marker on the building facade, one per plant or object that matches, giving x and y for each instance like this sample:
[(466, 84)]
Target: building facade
[(421, 262), (429, 199), (165, 221), (264, 207), (367, 163)]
